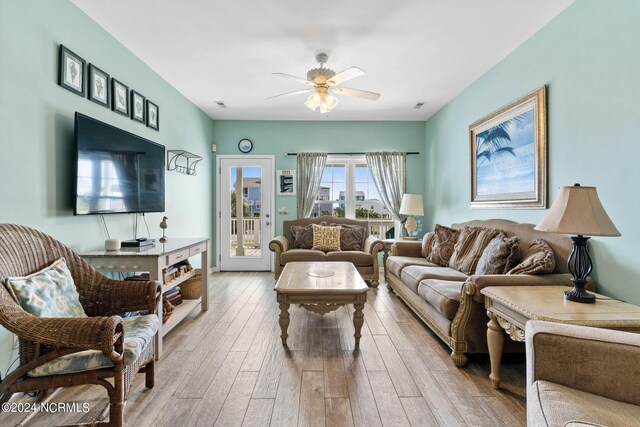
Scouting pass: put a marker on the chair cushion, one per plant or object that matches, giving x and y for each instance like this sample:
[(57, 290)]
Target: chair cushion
[(302, 236), (357, 258), (551, 404), (443, 295), (443, 244), (326, 238), (138, 333), (538, 259), (500, 256), (49, 292), (469, 247), (302, 255), (395, 264)]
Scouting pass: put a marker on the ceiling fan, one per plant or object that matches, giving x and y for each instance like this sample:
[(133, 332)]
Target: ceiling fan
[(325, 81)]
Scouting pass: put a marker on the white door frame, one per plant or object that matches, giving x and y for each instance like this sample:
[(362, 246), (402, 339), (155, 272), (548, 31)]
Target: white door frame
[(272, 160)]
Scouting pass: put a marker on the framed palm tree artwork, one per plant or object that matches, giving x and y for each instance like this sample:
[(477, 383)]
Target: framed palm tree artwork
[(509, 155)]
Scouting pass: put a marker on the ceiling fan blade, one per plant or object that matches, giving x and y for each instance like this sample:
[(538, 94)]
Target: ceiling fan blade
[(298, 79), (348, 74), (372, 96), (296, 92)]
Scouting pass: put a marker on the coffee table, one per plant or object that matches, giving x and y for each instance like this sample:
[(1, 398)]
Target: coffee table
[(321, 287), (510, 307)]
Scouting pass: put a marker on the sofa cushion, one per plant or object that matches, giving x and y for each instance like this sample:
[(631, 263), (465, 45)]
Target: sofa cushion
[(427, 243), (138, 333), (469, 247), (538, 259), (443, 295), (326, 238), (351, 236), (551, 404), (49, 292), (500, 256), (395, 264), (357, 258), (412, 275), (302, 236), (443, 243), (302, 255)]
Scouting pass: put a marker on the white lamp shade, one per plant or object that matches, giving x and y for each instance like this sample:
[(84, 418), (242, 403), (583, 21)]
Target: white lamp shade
[(577, 210), (411, 205)]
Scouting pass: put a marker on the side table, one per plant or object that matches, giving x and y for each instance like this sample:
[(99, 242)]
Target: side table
[(510, 307)]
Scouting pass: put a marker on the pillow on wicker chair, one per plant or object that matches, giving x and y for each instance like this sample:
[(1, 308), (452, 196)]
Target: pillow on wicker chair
[(443, 243), (49, 292), (302, 236), (326, 238), (538, 259), (500, 256)]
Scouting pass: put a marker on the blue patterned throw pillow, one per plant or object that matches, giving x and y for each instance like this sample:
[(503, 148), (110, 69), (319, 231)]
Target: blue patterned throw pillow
[(49, 292)]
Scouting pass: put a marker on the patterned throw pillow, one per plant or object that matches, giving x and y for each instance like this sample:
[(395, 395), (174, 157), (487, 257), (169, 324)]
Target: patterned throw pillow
[(538, 259), (326, 238), (302, 236), (443, 243), (49, 292), (351, 236), (500, 256), (427, 243), (469, 247)]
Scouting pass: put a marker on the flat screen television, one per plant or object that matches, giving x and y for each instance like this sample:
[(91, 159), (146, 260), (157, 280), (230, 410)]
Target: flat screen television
[(116, 171)]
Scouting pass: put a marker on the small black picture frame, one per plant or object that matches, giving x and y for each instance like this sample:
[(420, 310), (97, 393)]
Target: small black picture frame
[(119, 97), (153, 116), (98, 86), (71, 74), (138, 107)]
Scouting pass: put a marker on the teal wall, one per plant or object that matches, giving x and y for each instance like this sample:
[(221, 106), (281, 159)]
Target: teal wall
[(280, 137), (590, 60), (36, 125)]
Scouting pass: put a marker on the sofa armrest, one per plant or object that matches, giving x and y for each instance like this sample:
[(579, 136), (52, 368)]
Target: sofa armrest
[(477, 283), (410, 248), (596, 361), (279, 244), (372, 245)]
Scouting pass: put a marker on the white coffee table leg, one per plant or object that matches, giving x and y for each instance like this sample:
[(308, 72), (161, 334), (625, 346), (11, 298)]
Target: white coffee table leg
[(284, 321), (358, 321)]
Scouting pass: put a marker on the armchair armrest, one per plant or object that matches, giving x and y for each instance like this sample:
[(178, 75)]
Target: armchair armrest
[(410, 248), (475, 283), (279, 245), (81, 333), (372, 245), (596, 361), (113, 297)]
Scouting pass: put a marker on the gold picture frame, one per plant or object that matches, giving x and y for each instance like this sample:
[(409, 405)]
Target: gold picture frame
[(509, 155)]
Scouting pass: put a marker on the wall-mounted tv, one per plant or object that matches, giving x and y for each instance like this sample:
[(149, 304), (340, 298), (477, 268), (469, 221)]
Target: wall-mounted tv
[(116, 171)]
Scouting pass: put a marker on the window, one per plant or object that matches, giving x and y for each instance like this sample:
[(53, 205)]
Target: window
[(347, 190)]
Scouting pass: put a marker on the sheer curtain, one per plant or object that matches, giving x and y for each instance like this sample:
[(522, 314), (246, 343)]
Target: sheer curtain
[(388, 169), (310, 169)]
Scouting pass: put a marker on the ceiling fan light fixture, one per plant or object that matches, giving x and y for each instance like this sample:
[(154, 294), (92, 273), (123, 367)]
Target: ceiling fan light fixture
[(313, 101)]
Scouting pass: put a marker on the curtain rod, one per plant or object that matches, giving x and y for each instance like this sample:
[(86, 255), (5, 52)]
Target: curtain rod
[(353, 153)]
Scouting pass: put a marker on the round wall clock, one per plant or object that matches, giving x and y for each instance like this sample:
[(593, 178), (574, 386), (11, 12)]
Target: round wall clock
[(245, 145)]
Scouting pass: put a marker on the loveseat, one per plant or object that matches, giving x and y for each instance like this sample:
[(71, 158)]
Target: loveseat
[(579, 376), (449, 302), (365, 260)]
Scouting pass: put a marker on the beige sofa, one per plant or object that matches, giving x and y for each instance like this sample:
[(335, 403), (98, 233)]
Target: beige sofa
[(449, 301), (581, 376), (365, 261)]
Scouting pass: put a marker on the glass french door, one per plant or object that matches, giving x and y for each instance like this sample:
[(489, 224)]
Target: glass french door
[(245, 188)]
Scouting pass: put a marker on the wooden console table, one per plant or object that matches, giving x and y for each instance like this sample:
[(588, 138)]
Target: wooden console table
[(154, 259), (510, 307)]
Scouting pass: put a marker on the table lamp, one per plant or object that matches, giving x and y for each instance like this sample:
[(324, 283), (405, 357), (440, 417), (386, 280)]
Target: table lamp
[(411, 205), (577, 210)]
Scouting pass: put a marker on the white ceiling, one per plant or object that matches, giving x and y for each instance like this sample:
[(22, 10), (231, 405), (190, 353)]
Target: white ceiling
[(411, 50)]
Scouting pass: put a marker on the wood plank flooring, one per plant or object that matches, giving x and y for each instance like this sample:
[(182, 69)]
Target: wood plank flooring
[(227, 367)]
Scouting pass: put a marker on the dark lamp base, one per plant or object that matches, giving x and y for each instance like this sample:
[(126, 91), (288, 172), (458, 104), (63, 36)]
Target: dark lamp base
[(579, 295)]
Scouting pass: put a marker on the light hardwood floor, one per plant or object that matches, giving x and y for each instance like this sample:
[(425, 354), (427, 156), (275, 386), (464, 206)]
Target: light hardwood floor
[(227, 367)]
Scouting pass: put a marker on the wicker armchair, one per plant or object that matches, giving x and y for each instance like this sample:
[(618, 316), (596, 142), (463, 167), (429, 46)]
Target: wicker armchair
[(23, 251)]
